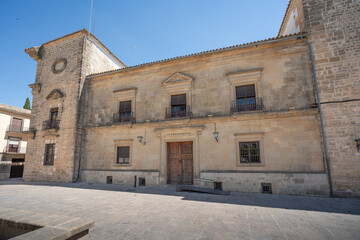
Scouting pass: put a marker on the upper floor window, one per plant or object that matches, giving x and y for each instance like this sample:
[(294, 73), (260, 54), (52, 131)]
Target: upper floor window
[(16, 125), (245, 98), (54, 117), (178, 106), (49, 154), (125, 111)]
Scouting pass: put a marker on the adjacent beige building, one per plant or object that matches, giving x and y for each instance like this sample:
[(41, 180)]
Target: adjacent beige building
[(242, 118), (14, 123)]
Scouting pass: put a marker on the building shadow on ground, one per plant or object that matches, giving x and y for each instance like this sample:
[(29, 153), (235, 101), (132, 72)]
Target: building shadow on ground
[(304, 203)]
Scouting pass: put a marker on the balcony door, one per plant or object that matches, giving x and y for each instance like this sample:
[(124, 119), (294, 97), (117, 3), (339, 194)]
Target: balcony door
[(16, 125)]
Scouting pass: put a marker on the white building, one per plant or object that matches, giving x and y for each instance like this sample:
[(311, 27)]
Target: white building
[(14, 122)]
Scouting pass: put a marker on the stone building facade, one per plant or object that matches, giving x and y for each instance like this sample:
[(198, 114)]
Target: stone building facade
[(244, 118)]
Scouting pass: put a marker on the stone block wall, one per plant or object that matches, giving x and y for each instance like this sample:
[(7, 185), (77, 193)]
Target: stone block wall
[(334, 32), (62, 90), (281, 183)]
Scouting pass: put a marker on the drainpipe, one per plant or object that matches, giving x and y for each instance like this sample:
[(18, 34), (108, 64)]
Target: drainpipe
[(82, 131), (321, 118)]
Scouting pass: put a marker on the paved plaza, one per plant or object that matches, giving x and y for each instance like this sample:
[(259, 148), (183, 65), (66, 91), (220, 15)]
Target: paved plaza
[(122, 212)]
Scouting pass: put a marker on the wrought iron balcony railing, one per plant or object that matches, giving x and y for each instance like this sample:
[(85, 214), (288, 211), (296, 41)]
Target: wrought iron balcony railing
[(51, 124), (251, 104), (174, 112), (19, 129), (124, 117)]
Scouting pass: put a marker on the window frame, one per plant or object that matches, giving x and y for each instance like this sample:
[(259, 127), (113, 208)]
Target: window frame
[(117, 155), (179, 105), (53, 123), (246, 138), (12, 124), (46, 161), (122, 143), (247, 106), (249, 151), (127, 114)]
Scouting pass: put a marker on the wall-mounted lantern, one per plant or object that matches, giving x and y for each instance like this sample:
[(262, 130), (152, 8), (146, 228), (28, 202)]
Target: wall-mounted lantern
[(141, 138), (216, 134)]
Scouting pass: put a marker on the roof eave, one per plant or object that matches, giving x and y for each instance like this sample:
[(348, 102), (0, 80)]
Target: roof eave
[(261, 42)]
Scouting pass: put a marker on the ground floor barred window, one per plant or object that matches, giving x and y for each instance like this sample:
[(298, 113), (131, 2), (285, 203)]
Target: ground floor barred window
[(49, 154), (249, 152)]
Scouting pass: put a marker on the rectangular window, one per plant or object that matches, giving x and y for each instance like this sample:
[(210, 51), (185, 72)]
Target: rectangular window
[(125, 111), (178, 105), (53, 117), (13, 144), (49, 154), (123, 155), (249, 152), (16, 125), (245, 98)]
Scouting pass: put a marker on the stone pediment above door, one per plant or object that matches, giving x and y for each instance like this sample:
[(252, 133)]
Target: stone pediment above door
[(178, 80), (55, 94)]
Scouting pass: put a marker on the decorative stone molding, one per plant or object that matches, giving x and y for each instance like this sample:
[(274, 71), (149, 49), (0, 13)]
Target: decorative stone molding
[(36, 87), (33, 53), (59, 65), (178, 81), (126, 94), (250, 137), (123, 143), (245, 77), (55, 94)]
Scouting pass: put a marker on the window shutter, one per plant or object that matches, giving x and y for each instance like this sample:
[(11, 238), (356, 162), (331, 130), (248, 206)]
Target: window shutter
[(241, 92), (178, 99), (123, 152), (245, 91), (125, 106), (250, 91)]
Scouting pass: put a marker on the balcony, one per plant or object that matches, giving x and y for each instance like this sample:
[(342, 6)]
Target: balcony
[(17, 129), (178, 112), (250, 104), (54, 124), (124, 117)]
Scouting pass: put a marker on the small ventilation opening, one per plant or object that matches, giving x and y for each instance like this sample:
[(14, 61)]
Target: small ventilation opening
[(266, 187), (109, 179), (141, 181), (218, 186)]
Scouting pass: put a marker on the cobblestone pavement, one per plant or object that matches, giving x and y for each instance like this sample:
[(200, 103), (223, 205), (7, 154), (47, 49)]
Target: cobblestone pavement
[(122, 212)]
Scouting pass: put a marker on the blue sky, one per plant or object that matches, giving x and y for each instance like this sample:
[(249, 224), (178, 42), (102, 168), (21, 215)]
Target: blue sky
[(136, 31)]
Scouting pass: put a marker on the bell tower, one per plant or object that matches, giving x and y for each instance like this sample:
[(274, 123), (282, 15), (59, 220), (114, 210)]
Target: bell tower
[(54, 139)]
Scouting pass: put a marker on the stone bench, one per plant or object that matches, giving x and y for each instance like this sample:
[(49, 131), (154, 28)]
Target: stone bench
[(21, 225)]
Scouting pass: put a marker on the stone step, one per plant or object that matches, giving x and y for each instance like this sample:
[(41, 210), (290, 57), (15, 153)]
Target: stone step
[(190, 188)]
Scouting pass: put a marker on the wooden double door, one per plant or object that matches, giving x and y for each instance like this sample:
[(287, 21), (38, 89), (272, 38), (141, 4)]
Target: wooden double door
[(180, 162)]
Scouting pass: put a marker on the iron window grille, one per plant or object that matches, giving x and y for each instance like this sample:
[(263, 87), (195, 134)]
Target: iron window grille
[(141, 181), (49, 154), (249, 152), (266, 188)]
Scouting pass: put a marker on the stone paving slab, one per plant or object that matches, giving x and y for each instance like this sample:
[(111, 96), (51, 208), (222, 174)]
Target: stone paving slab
[(122, 212)]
